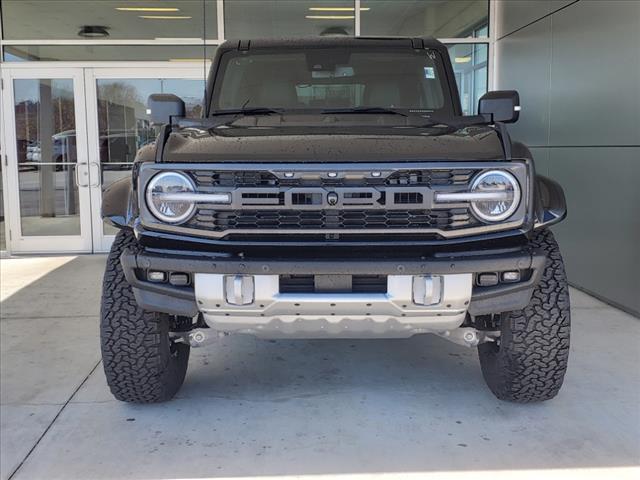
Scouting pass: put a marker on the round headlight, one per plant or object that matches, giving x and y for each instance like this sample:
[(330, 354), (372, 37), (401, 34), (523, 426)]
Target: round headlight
[(504, 201), (163, 204)]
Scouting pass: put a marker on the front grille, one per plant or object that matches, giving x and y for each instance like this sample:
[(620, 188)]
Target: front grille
[(336, 205), (251, 179), (220, 220)]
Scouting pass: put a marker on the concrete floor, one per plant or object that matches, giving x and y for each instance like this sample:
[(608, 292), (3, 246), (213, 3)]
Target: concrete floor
[(415, 407)]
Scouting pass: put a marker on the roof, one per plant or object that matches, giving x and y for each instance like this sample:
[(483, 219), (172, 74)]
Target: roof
[(328, 42)]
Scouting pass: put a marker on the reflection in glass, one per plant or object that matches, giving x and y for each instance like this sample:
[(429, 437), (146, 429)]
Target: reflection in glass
[(72, 53), (470, 67), (277, 18), (124, 125), (436, 18), (120, 19), (46, 146)]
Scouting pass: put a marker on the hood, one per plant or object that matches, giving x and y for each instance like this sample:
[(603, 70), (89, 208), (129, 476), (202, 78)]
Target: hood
[(331, 144)]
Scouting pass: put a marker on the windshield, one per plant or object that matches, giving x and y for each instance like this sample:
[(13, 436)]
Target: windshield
[(332, 78)]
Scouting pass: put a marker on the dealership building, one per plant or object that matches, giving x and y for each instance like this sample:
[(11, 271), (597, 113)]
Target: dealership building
[(76, 75)]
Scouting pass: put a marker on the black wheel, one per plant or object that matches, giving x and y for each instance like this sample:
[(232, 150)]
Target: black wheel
[(141, 363), (528, 362)]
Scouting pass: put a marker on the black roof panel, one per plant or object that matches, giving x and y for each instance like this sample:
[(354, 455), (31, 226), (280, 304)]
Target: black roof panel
[(324, 42)]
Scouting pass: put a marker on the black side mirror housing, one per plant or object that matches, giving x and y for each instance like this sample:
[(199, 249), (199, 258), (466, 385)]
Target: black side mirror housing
[(500, 106), (163, 106)]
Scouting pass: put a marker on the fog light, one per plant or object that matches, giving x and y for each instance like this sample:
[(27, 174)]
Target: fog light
[(487, 279), (156, 277), (510, 277), (179, 279)]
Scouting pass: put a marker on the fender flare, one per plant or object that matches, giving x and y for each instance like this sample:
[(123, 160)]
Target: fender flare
[(118, 204), (553, 204)]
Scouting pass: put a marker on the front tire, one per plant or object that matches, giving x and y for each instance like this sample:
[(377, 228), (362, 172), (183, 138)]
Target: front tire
[(529, 360), (141, 363)]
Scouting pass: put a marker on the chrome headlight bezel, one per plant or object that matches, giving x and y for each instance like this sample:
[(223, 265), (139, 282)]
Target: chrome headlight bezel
[(187, 186), (517, 196)]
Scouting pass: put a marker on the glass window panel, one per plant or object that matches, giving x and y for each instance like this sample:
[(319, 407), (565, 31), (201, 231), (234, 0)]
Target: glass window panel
[(112, 19), (330, 78), (47, 157), (436, 18), (280, 18), (471, 71), (123, 123), (94, 53)]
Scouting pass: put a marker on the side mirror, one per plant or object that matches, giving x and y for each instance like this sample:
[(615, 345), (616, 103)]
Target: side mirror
[(163, 106), (500, 106)]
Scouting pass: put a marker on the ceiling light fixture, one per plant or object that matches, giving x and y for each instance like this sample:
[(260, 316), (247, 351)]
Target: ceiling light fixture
[(165, 17), (337, 9), (330, 17), (462, 59), (147, 9)]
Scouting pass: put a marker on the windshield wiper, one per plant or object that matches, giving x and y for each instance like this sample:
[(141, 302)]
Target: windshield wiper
[(247, 111), (373, 110)]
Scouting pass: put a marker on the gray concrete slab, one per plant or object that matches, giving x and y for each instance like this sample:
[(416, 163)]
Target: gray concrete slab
[(20, 428), (44, 360), (70, 289), (580, 299), (251, 407)]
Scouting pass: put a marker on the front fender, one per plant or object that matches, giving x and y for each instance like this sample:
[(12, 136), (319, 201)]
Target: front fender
[(118, 204)]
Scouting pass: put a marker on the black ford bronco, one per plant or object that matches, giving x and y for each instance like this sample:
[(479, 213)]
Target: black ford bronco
[(333, 188)]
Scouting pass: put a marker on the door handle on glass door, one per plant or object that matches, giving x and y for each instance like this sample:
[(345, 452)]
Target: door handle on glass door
[(85, 172), (98, 175)]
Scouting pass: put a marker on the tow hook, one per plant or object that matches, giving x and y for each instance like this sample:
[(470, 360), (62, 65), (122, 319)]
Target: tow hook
[(469, 337)]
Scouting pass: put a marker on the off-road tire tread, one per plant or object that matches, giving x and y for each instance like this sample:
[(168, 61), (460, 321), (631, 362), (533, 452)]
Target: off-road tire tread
[(531, 361), (135, 344)]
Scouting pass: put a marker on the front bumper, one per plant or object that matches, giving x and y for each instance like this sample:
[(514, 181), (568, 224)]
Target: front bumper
[(271, 313)]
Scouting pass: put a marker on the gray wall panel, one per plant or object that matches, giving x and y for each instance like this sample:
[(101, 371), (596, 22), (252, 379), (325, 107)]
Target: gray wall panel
[(595, 74), (558, 4), (523, 64), (517, 14), (541, 159), (600, 239), (578, 73)]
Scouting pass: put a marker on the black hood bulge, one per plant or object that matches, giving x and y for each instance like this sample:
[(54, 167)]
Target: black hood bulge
[(331, 144)]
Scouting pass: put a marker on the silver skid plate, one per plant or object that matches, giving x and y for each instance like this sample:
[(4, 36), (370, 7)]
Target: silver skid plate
[(271, 314)]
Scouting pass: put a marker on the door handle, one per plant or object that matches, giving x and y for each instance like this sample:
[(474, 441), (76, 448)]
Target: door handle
[(77, 176), (98, 176)]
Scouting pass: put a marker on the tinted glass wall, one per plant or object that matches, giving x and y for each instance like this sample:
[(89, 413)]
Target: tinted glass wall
[(108, 19), (435, 18)]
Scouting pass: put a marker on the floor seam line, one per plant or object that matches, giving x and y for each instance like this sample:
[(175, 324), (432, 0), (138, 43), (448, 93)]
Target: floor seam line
[(46, 430)]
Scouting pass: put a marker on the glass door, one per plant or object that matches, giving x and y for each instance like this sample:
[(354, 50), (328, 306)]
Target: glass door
[(119, 123), (48, 172)]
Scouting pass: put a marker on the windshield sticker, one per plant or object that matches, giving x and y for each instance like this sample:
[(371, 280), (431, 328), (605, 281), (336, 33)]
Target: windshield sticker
[(429, 72)]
